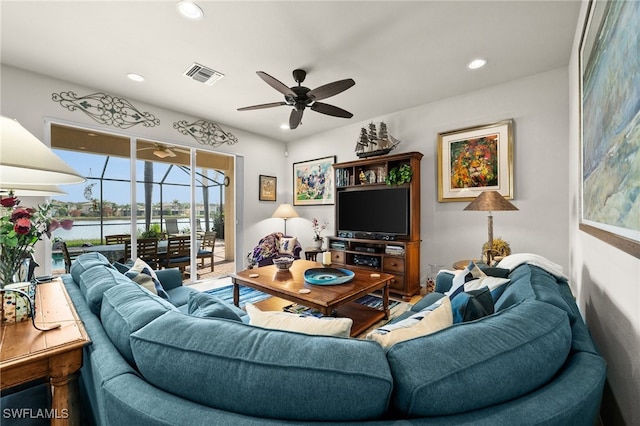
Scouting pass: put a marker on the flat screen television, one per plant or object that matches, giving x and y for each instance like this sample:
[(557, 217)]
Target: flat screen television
[(384, 211)]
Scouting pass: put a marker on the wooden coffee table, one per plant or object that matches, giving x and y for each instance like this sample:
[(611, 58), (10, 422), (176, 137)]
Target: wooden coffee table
[(328, 299)]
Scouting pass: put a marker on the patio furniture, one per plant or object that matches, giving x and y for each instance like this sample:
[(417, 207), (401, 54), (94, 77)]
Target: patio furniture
[(147, 250), (178, 253), (116, 238), (207, 247), (172, 226)]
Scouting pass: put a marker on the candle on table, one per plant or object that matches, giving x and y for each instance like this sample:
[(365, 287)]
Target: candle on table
[(326, 258)]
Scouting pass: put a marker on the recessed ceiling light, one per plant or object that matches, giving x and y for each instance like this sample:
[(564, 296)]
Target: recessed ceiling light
[(135, 77), (477, 63), (190, 10), (284, 126)]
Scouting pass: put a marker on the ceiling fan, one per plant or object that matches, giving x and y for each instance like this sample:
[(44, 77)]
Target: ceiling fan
[(300, 97), (163, 151)]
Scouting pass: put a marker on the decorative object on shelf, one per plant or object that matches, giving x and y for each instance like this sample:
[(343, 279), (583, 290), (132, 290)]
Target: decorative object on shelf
[(106, 109), (475, 159), (205, 132), (313, 182), (362, 177), (285, 211), (399, 175), (268, 186), (610, 128), (490, 201), (375, 142), (317, 231), (500, 250)]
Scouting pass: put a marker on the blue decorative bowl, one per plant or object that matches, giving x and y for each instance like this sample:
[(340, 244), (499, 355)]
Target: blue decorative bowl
[(328, 276)]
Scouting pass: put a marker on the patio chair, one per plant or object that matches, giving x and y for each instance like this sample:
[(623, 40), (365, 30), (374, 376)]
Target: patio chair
[(199, 231), (66, 256), (147, 250), (116, 238), (207, 247), (178, 253), (172, 226)]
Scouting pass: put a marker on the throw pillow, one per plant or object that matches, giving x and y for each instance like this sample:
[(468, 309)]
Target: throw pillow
[(206, 305), (472, 305), (472, 271), (287, 245), (326, 326), (433, 318), (139, 273), (496, 285)]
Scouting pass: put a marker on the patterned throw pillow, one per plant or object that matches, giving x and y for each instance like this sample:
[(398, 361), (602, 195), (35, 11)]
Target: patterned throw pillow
[(142, 274), (471, 272), (496, 285), (472, 305), (287, 245)]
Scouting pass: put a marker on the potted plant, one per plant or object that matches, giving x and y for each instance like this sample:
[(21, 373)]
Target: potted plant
[(317, 231), (399, 175)]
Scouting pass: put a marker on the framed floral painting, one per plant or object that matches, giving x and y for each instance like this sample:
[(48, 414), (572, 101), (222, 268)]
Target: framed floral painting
[(475, 159), (313, 182)]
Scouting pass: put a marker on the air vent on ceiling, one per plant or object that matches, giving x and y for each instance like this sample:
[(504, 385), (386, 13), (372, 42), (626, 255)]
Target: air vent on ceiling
[(203, 74)]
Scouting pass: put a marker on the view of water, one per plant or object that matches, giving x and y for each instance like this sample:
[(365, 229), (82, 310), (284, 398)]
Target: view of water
[(90, 229)]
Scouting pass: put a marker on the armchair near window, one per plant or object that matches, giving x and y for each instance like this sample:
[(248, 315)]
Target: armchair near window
[(276, 245)]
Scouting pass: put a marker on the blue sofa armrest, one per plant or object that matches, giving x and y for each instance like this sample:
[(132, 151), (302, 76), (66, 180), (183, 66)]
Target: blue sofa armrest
[(169, 278)]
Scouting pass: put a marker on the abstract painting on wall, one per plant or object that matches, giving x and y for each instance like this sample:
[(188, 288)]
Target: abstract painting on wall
[(610, 118)]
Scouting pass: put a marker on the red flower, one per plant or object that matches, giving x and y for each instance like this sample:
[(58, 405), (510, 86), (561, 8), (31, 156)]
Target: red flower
[(53, 225), (21, 213), (22, 226), (9, 202)]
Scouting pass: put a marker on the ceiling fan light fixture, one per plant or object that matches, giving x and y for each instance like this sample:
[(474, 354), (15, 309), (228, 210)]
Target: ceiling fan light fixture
[(162, 153), (190, 10), (135, 77)]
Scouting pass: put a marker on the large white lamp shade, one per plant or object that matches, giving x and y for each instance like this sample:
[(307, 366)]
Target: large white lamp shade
[(31, 190), (24, 160)]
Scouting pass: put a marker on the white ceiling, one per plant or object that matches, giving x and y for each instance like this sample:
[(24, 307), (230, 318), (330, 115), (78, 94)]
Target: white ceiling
[(401, 54)]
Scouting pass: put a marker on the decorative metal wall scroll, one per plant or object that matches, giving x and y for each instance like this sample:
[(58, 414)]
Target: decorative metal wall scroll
[(205, 132), (106, 109)]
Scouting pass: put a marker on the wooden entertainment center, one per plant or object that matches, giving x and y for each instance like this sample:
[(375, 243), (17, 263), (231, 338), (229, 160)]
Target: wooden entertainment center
[(394, 254)]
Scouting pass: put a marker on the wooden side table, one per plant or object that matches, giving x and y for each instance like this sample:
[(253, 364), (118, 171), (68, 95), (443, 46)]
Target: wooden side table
[(312, 253), (28, 354), (461, 264)]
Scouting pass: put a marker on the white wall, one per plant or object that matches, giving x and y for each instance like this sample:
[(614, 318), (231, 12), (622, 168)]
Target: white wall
[(608, 282), (26, 97), (538, 105)]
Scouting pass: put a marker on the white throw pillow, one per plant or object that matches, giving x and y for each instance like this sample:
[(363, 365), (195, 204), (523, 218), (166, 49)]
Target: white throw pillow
[(326, 326), (142, 274), (431, 319), (472, 271), (491, 282)]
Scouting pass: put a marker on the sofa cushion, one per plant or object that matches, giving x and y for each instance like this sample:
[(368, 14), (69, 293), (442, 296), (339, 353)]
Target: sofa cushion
[(87, 261), (95, 281), (125, 310), (205, 305), (472, 305), (264, 373), (512, 352), (329, 326), (434, 318)]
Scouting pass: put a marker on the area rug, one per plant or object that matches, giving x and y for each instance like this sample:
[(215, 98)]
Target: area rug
[(249, 295)]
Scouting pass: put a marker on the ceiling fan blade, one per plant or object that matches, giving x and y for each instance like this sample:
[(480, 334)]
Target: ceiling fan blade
[(330, 89), (270, 105), (276, 84), (330, 110), (295, 118)]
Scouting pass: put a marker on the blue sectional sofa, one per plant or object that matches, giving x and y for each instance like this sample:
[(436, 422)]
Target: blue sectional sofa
[(151, 363)]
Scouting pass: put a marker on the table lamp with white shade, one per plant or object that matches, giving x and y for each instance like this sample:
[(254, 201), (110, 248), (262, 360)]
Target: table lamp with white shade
[(285, 211)]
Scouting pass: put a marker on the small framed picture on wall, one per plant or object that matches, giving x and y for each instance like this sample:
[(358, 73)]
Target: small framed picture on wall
[(268, 188)]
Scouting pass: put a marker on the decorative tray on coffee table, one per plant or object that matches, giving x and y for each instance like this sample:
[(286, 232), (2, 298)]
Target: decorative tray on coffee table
[(328, 276)]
